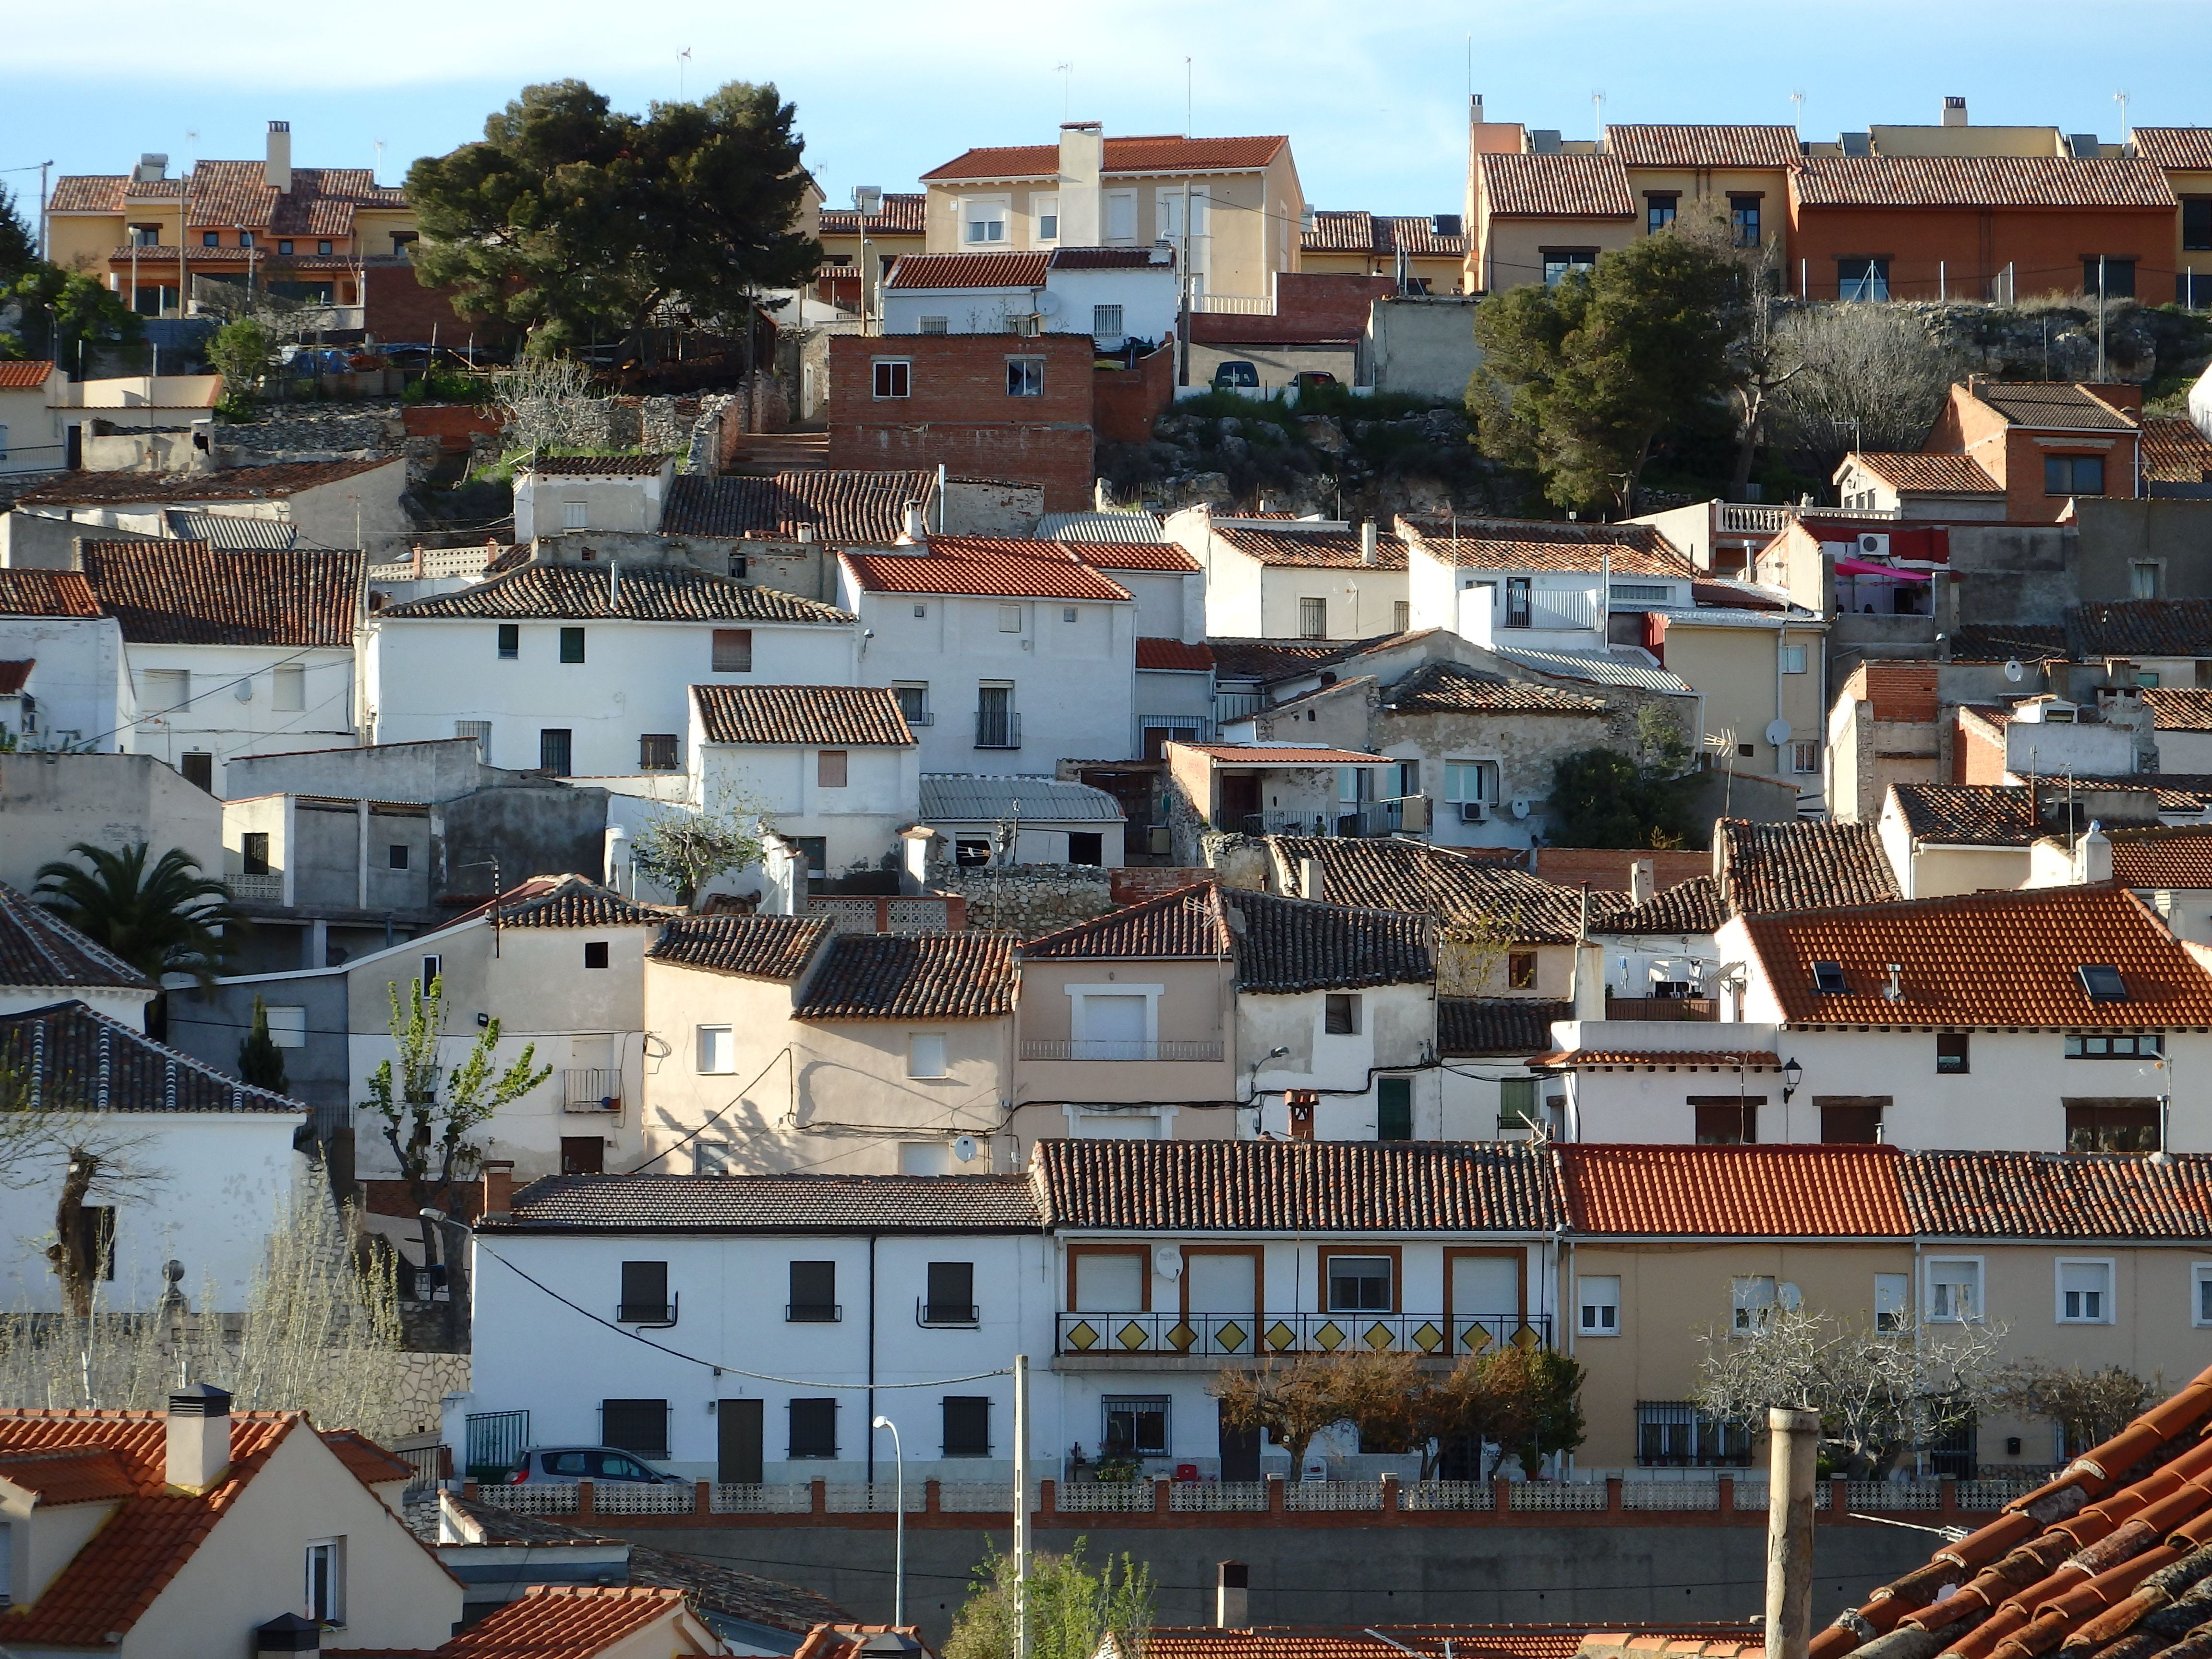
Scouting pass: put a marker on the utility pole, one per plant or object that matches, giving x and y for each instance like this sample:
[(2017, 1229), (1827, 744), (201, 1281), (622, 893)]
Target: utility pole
[(1021, 1506), (45, 247)]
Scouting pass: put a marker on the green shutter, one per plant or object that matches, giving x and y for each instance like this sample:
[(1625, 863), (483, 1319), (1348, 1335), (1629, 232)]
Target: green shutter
[(1516, 1103), (1394, 1109)]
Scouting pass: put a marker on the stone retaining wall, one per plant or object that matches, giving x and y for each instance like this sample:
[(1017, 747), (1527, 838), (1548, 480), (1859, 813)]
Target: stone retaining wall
[(1029, 899)]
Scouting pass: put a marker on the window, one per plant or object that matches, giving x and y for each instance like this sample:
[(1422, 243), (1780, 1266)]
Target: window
[(1136, 1427), (432, 967), (1106, 322), (1469, 780), (718, 1049), (1892, 1298), (1067, 613), (246, 239), (1009, 619), (1359, 1284), (1561, 263), (1047, 209), (1313, 619), (914, 702), (575, 515), (1953, 1053), (1805, 757), (734, 651), (210, 238), (815, 850), (2101, 982), (951, 1299), (1520, 970), (1086, 848), (635, 1425), (2116, 277), (1402, 616), (1394, 1109), (198, 769), (933, 325), (1862, 279), (510, 642), (96, 1238), (1751, 1302), (813, 1294), (925, 1055), (2143, 583), (1659, 212), (657, 751), (583, 1155), (2074, 474), (2112, 1125), (1121, 215), (922, 610), (1727, 1120), (967, 1425), (1743, 220), (813, 1428), (1793, 659), (1851, 1120), (1340, 1013), (1026, 377), (555, 750), (323, 248), (1954, 1290), (1598, 1305), (1516, 1104), (288, 1026), (1675, 1434), (325, 1600), (595, 953), (2115, 1045), (830, 767), (1517, 606), (1828, 978), (287, 689), (253, 853), (987, 221), (164, 692), (644, 1294), (572, 644), (894, 377), (1112, 1281), (2200, 1293), (397, 854), (2085, 1292)]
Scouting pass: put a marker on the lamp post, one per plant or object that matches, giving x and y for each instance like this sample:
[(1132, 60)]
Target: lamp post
[(898, 1524)]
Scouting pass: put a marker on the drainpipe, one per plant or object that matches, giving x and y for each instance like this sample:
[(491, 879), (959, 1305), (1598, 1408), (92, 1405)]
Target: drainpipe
[(872, 1357), (1795, 1439)]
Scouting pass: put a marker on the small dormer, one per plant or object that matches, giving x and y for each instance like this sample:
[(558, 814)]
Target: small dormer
[(51, 1503)]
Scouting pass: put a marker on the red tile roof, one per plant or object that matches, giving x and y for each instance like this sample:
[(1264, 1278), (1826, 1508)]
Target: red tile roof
[(596, 466), (1379, 237), (1452, 688), (1985, 959), (751, 947), (1537, 545), (832, 1641), (73, 1474), (322, 201), (1173, 654), (1280, 754), (1186, 923), (239, 484), (188, 594), (913, 976), (38, 948), (2179, 707), (840, 716), (2175, 451), (2068, 1195), (658, 593), (2053, 403), (2185, 148), (27, 593), (569, 901), (1135, 556), (1704, 145), (1123, 155), (1950, 474), (29, 373), (1952, 181), (903, 212), (566, 1621), (1515, 186), (2171, 856), (986, 567), (370, 1463), (1756, 1192), (1333, 549), (934, 270)]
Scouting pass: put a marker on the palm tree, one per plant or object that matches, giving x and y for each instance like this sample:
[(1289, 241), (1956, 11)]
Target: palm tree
[(165, 920)]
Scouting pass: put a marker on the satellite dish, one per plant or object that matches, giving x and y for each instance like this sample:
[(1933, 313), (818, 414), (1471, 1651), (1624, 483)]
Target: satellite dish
[(963, 1148), (1167, 1260), (1519, 809), (2014, 672), (1047, 303), (1777, 732)]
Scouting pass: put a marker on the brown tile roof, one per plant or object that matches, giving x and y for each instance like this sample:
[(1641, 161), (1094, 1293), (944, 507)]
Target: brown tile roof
[(1336, 231), (844, 509), (1969, 814), (1898, 690), (1123, 155), (1450, 688), (1555, 187), (568, 901), (1377, 1642), (1186, 923), (1173, 655), (566, 1621), (1996, 642), (37, 948), (1134, 556), (935, 271), (369, 1462), (1690, 906), (2068, 1195), (2179, 707), (656, 593), (751, 947), (1378, 236), (903, 212), (187, 593), (1266, 659), (71, 1474), (1467, 1026), (1449, 885), (1535, 544), (24, 593), (774, 1204), (851, 716), (1750, 1192), (1415, 235), (1985, 959), (1281, 754), (2176, 855), (1949, 474), (1334, 550), (2186, 148), (1672, 1060), (29, 373), (2175, 451), (595, 466), (1296, 1186), (2140, 627), (913, 976), (322, 201), (1954, 181), (1802, 866), (1109, 258), (1702, 144), (2052, 403), (67, 1053), (985, 565), (240, 483), (1286, 945)]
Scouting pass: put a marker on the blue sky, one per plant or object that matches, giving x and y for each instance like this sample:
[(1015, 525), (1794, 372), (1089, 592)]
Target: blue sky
[(1370, 93)]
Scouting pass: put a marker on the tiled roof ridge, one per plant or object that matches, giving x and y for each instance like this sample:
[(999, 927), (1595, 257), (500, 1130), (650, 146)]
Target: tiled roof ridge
[(1205, 893), (749, 603), (242, 1095), (45, 935)]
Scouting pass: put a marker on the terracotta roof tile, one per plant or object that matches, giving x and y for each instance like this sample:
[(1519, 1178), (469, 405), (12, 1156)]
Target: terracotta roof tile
[(1949, 474), (1998, 642), (842, 509), (1802, 866), (2140, 627), (1497, 1025), (187, 593), (1416, 235), (1173, 655), (24, 593), (1443, 883), (903, 212), (963, 270), (33, 373), (1243, 659), (1123, 155), (322, 201), (658, 593), (1376, 1642), (773, 1204), (1282, 754), (1672, 1060), (2052, 404), (1954, 181), (1188, 923), (1689, 907), (73, 1474), (2189, 149), (2179, 707), (913, 976), (1535, 544), (567, 900), (753, 947), (1450, 688), (1970, 814), (240, 483), (2070, 1195), (595, 466), (67, 1053), (1105, 554), (1755, 1192), (1985, 959), (1380, 237), (566, 1621), (1704, 145), (1296, 1186), (37, 948), (2170, 856), (1285, 946), (985, 565), (855, 716), (1333, 549), (1515, 186), (370, 1463), (2175, 451), (1341, 232)]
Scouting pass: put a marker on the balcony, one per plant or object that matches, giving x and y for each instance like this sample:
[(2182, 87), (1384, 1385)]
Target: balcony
[(1751, 519), (1366, 818), (1240, 1336), (1566, 610), (1115, 1048), (998, 729), (267, 890), (1662, 1008), (591, 1089)]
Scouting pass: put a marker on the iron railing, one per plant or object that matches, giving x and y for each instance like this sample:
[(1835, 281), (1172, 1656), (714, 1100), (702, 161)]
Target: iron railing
[(1234, 1336), (998, 729), (591, 1089), (1115, 1049), (496, 1440)]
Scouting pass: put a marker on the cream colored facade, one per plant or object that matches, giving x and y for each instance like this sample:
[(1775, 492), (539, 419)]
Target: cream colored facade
[(1752, 673), (1190, 1013)]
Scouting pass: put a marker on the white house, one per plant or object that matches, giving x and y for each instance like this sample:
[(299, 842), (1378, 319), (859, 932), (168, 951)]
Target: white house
[(556, 495), (30, 437), (996, 647), (1531, 585), (1115, 295), (249, 652), (64, 664), (1295, 579), (584, 667), (313, 504), (43, 960)]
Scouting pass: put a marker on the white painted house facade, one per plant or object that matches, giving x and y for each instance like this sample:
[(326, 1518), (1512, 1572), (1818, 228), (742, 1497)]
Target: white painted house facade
[(1115, 295), (63, 663)]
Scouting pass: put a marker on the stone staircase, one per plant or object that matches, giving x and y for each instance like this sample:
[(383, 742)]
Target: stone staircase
[(763, 454)]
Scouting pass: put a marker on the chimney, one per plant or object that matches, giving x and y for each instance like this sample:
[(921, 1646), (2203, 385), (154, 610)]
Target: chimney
[(288, 1633), (917, 527), (276, 171), (1642, 882), (199, 1436), (1367, 542), (803, 534), (1474, 109), (1311, 883), (1894, 990), (1082, 184), (614, 584), (1589, 994), (1954, 112), (1301, 1103), (1794, 1438), (498, 1186), (1232, 1595), (2092, 856)]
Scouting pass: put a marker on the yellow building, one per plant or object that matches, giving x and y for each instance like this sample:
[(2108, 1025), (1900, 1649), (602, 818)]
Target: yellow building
[(2184, 154), (1427, 254), (860, 248), (1233, 208)]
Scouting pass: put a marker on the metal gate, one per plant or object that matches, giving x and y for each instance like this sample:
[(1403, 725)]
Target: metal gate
[(496, 1441)]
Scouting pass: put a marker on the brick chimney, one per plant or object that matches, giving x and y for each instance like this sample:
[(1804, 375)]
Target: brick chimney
[(498, 1186), (276, 171), (199, 1448), (1301, 1103)]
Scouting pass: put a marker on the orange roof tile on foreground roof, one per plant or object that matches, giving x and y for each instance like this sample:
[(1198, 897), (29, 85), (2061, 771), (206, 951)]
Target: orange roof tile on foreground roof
[(370, 1463), (1527, 186), (1278, 754), (1946, 474), (987, 568), (1672, 1060), (188, 594), (1135, 155), (936, 270), (1951, 181), (24, 593), (2007, 959), (852, 717), (1702, 144), (28, 372), (1173, 656), (70, 1474), (1335, 549), (831, 1641), (566, 1621), (1534, 545), (1756, 1192)]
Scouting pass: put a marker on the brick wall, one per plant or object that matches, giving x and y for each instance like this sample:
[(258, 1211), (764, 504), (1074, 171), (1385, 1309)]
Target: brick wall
[(957, 413), (400, 309), (1125, 402)]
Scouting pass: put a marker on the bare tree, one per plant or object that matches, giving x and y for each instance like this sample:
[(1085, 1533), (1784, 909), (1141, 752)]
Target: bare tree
[(47, 1123), (1868, 377), (1293, 1403), (2087, 1406), (546, 400)]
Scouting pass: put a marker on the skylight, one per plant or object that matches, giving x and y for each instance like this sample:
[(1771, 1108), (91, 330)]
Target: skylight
[(2103, 982), (1828, 978)]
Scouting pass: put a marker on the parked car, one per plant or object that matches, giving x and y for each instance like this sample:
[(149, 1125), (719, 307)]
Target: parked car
[(564, 1466), (1308, 377), (1235, 375)]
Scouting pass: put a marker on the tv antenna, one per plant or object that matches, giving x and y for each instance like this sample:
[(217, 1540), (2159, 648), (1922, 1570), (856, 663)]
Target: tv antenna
[(1797, 108), (1066, 73)]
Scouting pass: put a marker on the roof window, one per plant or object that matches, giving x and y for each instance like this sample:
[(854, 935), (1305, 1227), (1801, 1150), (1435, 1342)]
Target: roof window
[(1828, 978), (2102, 982)]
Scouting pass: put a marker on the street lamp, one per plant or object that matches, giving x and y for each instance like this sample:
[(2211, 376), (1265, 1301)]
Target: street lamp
[(1792, 1075), (898, 1528)]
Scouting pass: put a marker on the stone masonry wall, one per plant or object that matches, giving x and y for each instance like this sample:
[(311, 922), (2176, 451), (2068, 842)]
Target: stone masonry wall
[(1029, 899)]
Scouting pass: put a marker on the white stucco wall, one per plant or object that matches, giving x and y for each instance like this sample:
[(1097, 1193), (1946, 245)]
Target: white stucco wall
[(83, 691), (234, 695)]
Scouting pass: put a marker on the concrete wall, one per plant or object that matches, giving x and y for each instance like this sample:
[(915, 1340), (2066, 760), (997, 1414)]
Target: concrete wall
[(80, 682), (2116, 533), (221, 722), (1422, 344), (210, 1026), (1191, 1001), (988, 506), (49, 801), (32, 541)]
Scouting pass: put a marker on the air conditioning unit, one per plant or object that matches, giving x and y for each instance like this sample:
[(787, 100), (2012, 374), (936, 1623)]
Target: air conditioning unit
[(1873, 546), (1474, 812)]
